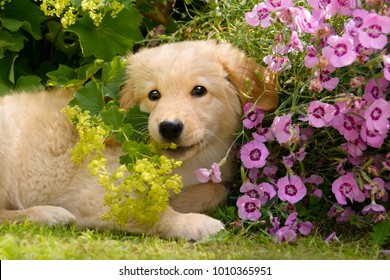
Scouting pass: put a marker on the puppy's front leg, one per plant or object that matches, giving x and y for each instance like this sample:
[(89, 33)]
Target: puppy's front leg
[(199, 198), (190, 226)]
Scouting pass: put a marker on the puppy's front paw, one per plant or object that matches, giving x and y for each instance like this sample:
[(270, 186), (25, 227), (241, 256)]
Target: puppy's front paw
[(189, 226), (50, 215)]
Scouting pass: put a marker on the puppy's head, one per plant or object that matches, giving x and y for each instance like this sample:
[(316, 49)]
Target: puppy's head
[(193, 92)]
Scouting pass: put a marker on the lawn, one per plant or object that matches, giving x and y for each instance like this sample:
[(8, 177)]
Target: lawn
[(29, 241)]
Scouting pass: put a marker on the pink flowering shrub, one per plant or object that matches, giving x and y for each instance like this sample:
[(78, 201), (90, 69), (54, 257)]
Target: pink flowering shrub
[(325, 151)]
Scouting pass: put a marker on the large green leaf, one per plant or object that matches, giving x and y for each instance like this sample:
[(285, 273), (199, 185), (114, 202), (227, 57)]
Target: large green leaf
[(25, 12), (381, 233), (28, 83), (90, 98), (113, 76), (114, 36)]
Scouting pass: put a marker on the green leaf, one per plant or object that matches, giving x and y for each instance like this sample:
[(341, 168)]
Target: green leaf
[(11, 24), (113, 76), (113, 117), (6, 64), (29, 83), (90, 98), (61, 76), (64, 41), (13, 42), (28, 13), (114, 36), (380, 233)]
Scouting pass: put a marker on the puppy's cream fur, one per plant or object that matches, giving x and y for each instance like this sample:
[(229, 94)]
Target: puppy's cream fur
[(39, 182)]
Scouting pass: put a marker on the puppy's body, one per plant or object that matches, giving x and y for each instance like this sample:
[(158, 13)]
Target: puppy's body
[(38, 180)]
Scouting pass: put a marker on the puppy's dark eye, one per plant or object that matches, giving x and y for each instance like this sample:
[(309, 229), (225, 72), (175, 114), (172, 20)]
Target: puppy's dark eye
[(154, 95), (198, 91)]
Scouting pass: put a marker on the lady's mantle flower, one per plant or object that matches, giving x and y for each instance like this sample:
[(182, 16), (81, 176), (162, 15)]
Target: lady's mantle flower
[(204, 175), (346, 187), (373, 32), (248, 208), (260, 15), (254, 154), (291, 188), (340, 51)]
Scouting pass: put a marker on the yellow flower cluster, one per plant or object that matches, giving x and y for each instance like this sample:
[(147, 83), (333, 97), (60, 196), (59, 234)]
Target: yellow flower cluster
[(3, 2), (143, 194), (68, 10), (140, 190), (92, 132)]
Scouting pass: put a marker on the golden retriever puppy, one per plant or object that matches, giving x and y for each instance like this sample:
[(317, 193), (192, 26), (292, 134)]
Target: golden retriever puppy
[(193, 92)]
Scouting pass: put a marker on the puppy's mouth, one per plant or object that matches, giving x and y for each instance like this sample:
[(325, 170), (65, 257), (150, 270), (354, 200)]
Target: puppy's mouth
[(183, 152)]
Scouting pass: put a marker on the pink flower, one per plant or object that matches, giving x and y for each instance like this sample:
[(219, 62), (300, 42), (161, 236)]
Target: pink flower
[(291, 189), (355, 149), (386, 68), (373, 31), (321, 5), (253, 116), (259, 15), (277, 5), (348, 127), (268, 192), (377, 116), (296, 43), (277, 61), (331, 237), (342, 7), (251, 190), (264, 134), (254, 154), (204, 175), (304, 21), (248, 208), (386, 163), (282, 129), (304, 227), (372, 138), (326, 80), (346, 187), (314, 180), (374, 208), (341, 214), (358, 17), (375, 89), (285, 234), (320, 114), (340, 51), (289, 160), (311, 59)]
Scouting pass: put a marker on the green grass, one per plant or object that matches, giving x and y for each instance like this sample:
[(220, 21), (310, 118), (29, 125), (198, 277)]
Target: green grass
[(30, 241)]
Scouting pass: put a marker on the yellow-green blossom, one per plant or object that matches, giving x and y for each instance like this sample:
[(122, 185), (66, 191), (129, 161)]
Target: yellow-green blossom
[(140, 190)]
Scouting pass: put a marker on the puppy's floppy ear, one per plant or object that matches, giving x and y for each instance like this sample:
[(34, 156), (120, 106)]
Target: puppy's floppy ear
[(242, 69), (127, 97)]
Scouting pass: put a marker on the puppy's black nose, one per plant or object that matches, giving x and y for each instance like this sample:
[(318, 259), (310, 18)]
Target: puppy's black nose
[(171, 129)]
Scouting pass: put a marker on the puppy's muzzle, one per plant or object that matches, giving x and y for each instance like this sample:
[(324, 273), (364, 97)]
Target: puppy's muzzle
[(171, 130)]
